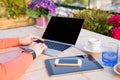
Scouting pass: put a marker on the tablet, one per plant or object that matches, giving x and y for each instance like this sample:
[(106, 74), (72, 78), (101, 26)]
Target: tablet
[(88, 64)]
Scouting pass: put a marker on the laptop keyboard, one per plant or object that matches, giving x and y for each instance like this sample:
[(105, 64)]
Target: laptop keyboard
[(56, 46)]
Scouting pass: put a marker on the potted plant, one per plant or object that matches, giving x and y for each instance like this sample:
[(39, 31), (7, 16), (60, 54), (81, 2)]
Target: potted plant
[(41, 10)]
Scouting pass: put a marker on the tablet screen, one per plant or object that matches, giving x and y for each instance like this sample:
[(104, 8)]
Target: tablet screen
[(88, 64)]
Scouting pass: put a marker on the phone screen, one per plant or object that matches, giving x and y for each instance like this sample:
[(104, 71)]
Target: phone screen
[(68, 61)]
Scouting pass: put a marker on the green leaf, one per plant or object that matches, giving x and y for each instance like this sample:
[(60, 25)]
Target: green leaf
[(32, 13)]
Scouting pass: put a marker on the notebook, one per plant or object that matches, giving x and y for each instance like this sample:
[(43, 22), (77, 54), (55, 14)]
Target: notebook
[(88, 64), (61, 33)]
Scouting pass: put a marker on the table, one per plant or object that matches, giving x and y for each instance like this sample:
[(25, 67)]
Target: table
[(38, 71)]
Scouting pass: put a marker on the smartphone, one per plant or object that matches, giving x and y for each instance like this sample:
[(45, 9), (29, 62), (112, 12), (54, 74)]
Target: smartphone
[(68, 62)]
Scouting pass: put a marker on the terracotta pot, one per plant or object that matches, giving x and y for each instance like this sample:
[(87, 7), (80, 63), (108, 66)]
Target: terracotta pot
[(41, 22)]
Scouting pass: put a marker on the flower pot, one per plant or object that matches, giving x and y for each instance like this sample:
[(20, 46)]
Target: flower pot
[(41, 22)]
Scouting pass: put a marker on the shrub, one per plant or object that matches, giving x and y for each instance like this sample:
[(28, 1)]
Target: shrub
[(95, 20), (13, 8)]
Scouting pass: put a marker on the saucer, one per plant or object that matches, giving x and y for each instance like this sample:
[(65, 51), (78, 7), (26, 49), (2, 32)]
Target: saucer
[(115, 69), (88, 50)]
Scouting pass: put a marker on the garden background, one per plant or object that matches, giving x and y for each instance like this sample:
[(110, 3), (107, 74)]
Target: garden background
[(98, 18)]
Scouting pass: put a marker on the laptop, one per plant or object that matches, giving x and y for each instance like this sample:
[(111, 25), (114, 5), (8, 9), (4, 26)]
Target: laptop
[(61, 33)]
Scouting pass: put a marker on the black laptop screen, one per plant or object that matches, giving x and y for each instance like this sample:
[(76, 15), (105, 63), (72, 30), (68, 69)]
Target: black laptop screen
[(63, 29)]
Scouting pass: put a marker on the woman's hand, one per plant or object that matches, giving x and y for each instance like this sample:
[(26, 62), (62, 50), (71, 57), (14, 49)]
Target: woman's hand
[(27, 40), (37, 47)]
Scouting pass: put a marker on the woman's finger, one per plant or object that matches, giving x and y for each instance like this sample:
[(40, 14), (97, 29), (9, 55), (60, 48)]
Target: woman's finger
[(37, 37)]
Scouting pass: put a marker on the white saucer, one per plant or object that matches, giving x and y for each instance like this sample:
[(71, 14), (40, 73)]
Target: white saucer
[(88, 50), (115, 69)]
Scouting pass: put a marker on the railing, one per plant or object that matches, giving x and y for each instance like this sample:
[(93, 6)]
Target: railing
[(107, 5)]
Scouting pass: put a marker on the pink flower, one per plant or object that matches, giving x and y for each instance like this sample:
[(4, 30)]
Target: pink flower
[(114, 20), (116, 33)]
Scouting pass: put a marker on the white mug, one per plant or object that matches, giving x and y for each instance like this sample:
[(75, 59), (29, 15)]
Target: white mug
[(94, 44)]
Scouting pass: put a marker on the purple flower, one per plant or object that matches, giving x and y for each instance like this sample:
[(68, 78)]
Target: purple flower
[(44, 5), (36, 7), (45, 1), (51, 6)]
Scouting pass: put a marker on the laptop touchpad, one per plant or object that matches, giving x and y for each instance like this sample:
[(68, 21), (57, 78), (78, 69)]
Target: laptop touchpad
[(51, 52)]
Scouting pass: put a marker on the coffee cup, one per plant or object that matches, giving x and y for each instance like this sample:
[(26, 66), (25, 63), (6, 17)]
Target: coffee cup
[(94, 45)]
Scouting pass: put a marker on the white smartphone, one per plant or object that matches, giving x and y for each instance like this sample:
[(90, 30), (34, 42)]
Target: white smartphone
[(68, 62)]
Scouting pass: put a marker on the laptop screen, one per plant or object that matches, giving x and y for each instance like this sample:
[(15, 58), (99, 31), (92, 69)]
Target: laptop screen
[(63, 29)]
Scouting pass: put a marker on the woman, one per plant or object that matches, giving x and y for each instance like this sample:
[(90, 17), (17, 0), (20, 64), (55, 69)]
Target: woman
[(14, 68)]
